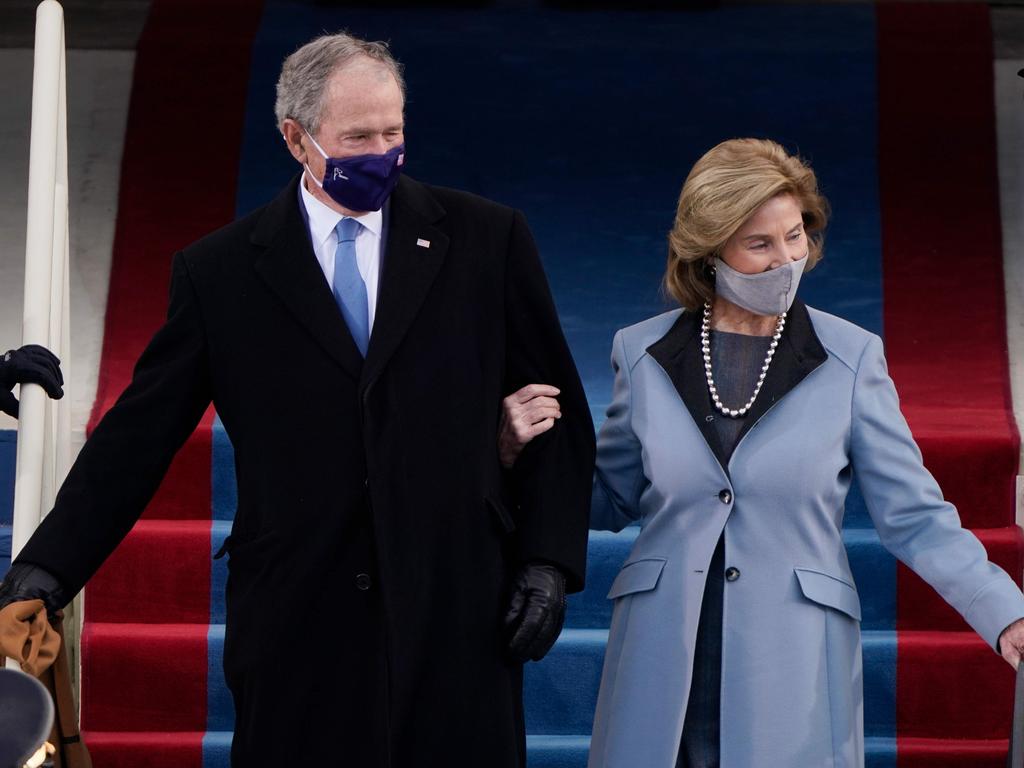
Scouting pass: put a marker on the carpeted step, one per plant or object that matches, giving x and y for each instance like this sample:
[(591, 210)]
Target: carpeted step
[(125, 589), (952, 683), (161, 749), (211, 750), (162, 674), (128, 588), (962, 444), (953, 753), (145, 677)]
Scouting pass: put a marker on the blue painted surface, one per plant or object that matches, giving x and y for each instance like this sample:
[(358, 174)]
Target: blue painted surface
[(8, 460), (588, 122), (217, 749), (222, 481)]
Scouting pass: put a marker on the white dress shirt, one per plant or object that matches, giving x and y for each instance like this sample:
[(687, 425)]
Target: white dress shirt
[(322, 223)]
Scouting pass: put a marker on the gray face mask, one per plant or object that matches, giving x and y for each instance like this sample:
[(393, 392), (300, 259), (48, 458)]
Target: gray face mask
[(763, 293)]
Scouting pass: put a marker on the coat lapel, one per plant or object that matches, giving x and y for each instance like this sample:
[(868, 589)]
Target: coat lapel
[(289, 267), (414, 254), (678, 352)]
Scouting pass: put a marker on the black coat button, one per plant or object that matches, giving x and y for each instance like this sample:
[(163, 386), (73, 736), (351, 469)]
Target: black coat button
[(725, 496), (731, 574), (363, 581)]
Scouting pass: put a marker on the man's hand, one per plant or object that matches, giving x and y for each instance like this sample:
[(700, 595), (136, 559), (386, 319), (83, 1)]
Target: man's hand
[(535, 616), (525, 414), (32, 364), (25, 581), (1011, 643)]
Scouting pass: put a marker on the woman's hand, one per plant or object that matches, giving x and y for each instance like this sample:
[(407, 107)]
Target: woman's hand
[(525, 414), (1011, 642)]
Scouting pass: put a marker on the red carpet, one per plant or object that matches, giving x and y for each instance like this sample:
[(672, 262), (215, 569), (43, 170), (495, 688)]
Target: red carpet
[(177, 183), (945, 337)]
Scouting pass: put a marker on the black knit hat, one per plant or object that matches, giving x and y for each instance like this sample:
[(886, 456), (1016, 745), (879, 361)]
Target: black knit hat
[(26, 717)]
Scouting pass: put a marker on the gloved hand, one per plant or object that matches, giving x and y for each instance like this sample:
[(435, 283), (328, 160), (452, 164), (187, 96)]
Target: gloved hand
[(25, 581), (535, 615), (32, 364)]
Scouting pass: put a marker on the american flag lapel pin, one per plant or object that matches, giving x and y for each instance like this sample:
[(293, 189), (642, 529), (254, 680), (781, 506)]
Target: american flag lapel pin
[(423, 243)]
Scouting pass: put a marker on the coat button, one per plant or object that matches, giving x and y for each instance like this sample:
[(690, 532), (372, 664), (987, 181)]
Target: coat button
[(731, 574), (363, 581), (725, 496)]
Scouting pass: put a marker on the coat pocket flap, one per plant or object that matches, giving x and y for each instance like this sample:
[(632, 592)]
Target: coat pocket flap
[(637, 576), (829, 591)]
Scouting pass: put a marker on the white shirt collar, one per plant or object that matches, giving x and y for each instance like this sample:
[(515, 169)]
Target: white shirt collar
[(323, 220)]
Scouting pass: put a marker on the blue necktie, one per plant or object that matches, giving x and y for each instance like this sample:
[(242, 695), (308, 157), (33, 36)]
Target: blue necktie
[(349, 288)]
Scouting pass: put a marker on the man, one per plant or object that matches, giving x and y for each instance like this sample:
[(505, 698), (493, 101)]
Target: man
[(356, 336)]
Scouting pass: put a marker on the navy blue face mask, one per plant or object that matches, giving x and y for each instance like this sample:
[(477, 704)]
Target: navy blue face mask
[(360, 183)]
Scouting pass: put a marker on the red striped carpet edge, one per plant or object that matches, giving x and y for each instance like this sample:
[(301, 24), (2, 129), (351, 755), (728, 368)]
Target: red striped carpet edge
[(178, 182), (945, 333)]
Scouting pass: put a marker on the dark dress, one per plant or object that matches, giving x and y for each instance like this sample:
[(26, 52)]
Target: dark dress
[(736, 361)]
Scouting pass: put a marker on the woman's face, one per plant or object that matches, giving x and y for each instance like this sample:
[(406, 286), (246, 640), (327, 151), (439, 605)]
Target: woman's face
[(771, 237)]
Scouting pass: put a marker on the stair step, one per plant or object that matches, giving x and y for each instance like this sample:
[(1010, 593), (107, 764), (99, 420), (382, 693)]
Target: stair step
[(147, 677), (160, 573), (161, 749), (154, 677), (185, 491), (952, 683), (212, 750), (126, 588), (956, 446), (950, 753)]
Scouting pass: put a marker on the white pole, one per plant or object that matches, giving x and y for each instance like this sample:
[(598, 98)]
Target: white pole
[(39, 237)]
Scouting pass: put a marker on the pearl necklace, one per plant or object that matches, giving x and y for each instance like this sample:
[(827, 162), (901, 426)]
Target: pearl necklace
[(705, 336)]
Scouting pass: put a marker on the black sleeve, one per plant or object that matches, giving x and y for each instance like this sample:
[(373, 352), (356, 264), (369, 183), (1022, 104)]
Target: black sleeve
[(552, 478), (125, 458)]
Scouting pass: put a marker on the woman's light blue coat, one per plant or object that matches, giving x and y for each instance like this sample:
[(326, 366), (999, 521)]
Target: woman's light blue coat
[(791, 670)]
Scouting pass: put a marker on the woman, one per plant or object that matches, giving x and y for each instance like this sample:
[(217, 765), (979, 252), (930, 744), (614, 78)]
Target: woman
[(734, 428)]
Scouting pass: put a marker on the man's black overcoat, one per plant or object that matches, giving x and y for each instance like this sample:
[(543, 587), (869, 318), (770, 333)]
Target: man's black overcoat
[(376, 532)]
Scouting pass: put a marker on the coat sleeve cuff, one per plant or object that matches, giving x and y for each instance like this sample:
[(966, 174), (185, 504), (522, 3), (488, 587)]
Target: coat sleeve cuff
[(996, 607)]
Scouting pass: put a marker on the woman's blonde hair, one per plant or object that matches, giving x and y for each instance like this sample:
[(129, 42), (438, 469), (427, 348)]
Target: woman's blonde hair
[(722, 191)]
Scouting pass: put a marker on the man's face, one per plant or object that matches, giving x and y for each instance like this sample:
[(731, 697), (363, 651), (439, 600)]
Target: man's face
[(362, 115)]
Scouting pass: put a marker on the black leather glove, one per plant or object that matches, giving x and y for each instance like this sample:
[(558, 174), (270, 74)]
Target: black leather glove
[(25, 581), (535, 615), (32, 364)]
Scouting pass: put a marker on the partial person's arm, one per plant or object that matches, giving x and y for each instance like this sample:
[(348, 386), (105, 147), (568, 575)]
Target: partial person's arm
[(122, 463), (619, 479), (913, 520), (30, 364), (525, 414), (551, 478)]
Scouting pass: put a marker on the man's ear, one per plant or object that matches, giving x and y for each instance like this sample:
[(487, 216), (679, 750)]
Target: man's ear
[(293, 136)]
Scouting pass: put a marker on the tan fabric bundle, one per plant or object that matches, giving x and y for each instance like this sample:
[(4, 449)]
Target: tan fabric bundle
[(37, 645)]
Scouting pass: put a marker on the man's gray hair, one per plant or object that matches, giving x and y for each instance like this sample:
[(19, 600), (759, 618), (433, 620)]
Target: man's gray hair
[(304, 75)]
